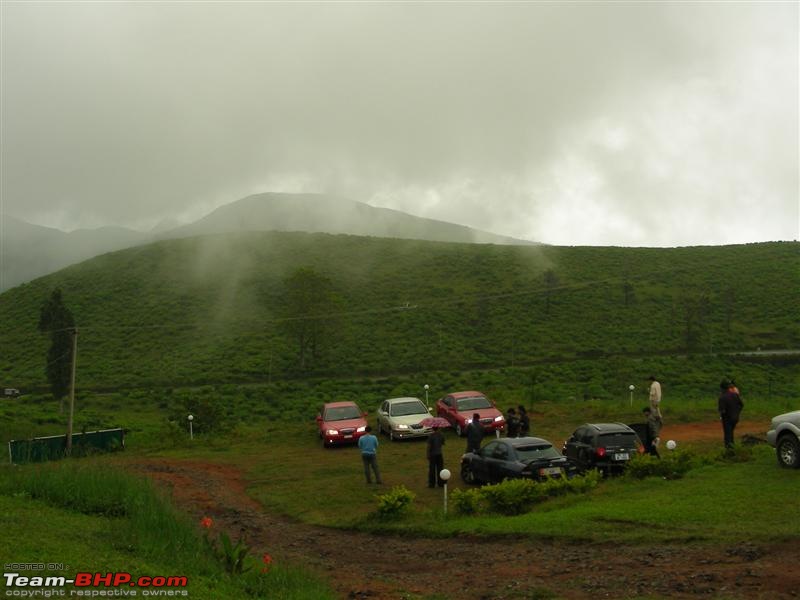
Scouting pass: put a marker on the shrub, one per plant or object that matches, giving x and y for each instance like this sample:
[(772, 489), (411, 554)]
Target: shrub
[(467, 502), (585, 483), (210, 415), (395, 503), (514, 496), (518, 496), (672, 465)]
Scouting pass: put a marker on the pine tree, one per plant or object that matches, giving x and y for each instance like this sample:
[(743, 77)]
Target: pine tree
[(56, 321)]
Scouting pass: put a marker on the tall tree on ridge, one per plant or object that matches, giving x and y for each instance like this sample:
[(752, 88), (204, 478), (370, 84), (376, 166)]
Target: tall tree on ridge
[(57, 321)]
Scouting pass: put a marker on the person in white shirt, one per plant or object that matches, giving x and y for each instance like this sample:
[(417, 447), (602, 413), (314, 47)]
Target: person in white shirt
[(655, 396)]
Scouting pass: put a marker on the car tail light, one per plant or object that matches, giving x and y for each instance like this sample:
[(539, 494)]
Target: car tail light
[(601, 452), (640, 449)]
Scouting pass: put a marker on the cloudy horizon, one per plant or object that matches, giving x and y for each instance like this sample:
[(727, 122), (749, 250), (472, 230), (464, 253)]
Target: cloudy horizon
[(632, 124)]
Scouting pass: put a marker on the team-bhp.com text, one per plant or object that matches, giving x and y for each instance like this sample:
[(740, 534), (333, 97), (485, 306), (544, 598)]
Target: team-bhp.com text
[(120, 585)]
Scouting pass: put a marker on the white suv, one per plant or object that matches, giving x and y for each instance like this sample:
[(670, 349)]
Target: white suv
[(784, 436)]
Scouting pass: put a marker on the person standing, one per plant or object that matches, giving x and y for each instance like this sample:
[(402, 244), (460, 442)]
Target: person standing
[(435, 457), (512, 423), (653, 432), (655, 396), (368, 444), (474, 434), (524, 421), (730, 407)]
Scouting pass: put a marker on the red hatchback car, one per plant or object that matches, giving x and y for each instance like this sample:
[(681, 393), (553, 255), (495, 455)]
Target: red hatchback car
[(341, 423), (459, 407)]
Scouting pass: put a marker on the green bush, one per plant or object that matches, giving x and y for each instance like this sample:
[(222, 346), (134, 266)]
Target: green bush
[(514, 496), (585, 483), (209, 412), (395, 503), (467, 502), (518, 496), (672, 465)]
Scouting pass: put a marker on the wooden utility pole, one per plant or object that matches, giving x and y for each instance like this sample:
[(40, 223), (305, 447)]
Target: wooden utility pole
[(72, 390)]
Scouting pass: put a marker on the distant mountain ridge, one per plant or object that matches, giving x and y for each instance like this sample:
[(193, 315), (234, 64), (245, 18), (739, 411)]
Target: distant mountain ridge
[(318, 213), (30, 251)]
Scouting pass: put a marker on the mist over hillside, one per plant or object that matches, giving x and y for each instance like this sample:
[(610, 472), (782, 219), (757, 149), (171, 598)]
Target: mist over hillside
[(30, 251), (214, 308), (318, 213)]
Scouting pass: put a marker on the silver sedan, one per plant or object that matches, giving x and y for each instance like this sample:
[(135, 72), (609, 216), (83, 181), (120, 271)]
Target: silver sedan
[(400, 418)]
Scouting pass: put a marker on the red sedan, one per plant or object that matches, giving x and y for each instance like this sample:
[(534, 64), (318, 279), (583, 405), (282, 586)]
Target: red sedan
[(341, 423), (459, 407)]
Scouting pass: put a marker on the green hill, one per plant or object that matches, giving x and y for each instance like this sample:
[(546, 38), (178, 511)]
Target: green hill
[(212, 309), (320, 213)]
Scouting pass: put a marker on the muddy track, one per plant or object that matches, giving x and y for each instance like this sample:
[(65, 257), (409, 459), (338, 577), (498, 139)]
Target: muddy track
[(360, 565)]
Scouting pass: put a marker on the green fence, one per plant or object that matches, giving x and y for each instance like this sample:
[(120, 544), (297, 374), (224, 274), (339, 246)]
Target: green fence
[(54, 447)]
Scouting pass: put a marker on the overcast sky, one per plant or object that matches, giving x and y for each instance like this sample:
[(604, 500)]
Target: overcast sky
[(622, 123)]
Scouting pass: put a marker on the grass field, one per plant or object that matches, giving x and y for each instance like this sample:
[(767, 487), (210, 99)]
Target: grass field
[(286, 468), (85, 516), (289, 472)]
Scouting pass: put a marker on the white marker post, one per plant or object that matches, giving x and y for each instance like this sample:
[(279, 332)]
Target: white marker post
[(444, 475), (191, 433), (631, 387)]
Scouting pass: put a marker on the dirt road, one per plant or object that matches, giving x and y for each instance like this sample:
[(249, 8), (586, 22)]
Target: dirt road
[(361, 565)]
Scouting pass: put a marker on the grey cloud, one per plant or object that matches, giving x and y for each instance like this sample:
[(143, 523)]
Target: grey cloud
[(489, 115)]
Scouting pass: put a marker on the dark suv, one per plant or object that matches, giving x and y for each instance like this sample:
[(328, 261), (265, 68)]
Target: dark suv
[(604, 446)]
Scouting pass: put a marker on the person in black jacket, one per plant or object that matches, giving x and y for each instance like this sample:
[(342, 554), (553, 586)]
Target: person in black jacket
[(512, 423), (653, 437), (435, 457), (524, 421), (474, 434), (730, 407)]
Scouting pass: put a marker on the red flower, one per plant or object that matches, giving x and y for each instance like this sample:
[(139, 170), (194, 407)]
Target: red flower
[(206, 522), (267, 560)]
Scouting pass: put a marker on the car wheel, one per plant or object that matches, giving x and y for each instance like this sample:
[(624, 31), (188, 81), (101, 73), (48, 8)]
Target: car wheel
[(459, 430), (788, 451), (467, 476)]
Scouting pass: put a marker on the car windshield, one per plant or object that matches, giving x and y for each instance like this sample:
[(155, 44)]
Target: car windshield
[(537, 452), (472, 403), (401, 409), (620, 438), (340, 413)]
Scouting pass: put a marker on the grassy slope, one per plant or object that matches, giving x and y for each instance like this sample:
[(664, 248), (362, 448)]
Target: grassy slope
[(60, 513), (199, 310)]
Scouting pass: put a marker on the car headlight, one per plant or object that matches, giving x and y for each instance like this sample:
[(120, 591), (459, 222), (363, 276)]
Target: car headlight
[(498, 418), (360, 429), (401, 426), (332, 432)]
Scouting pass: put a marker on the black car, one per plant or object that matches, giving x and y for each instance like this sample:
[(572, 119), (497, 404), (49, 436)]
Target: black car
[(604, 446), (508, 458)]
